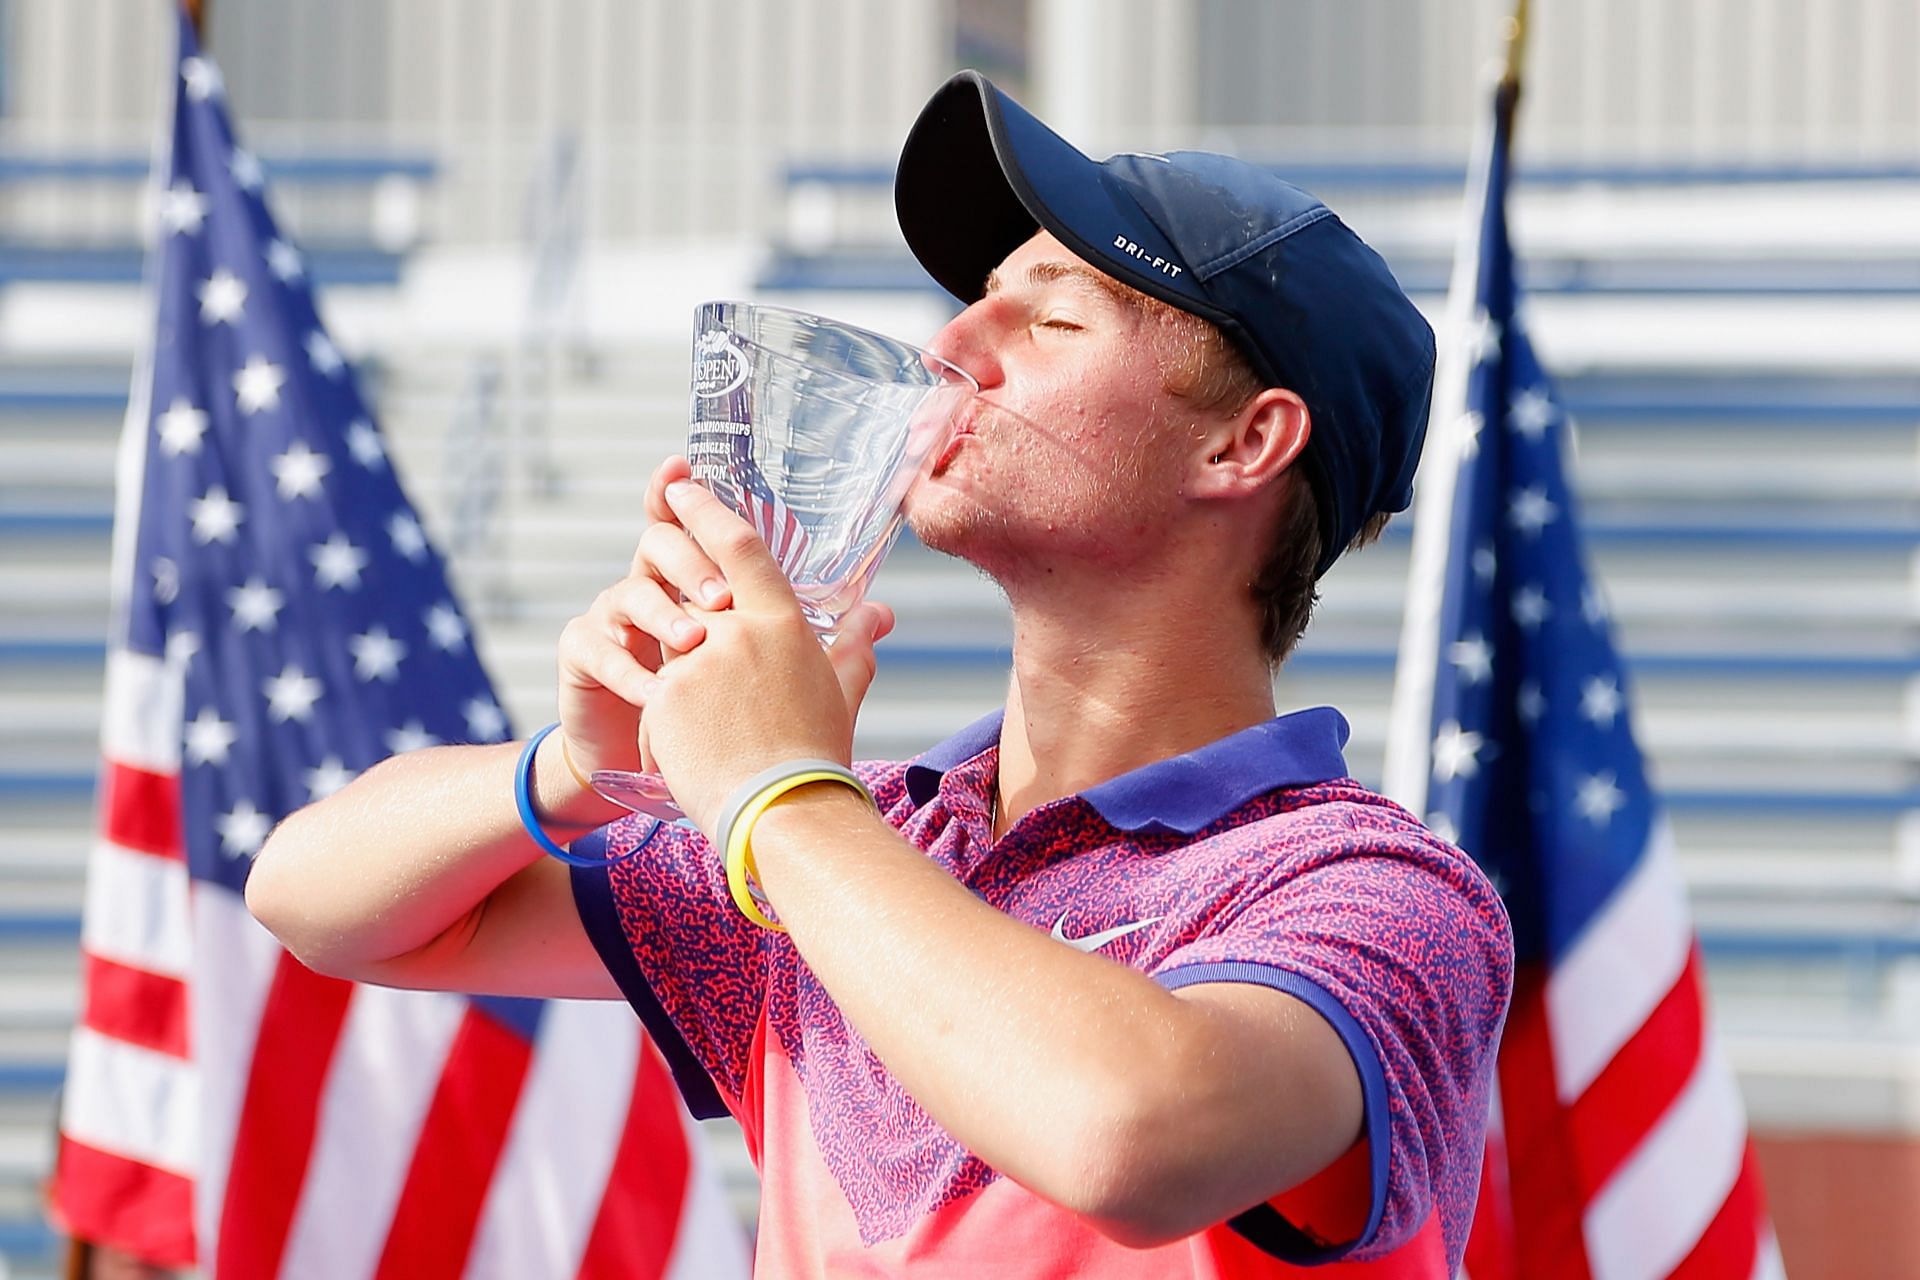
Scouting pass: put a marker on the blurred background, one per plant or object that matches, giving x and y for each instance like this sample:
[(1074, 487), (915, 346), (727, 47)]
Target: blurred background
[(511, 209)]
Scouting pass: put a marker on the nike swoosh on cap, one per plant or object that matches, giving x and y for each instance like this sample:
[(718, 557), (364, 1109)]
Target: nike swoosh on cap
[(1095, 941)]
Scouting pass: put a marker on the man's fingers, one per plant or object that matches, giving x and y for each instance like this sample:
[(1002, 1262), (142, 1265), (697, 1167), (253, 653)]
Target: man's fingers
[(675, 468), (852, 654), (643, 605), (588, 657), (740, 553), (669, 554)]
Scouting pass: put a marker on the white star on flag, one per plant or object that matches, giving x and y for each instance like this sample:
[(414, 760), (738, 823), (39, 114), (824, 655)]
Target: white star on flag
[(299, 471), (1441, 824), (256, 606), (1600, 700), (202, 77), (1599, 798), (1483, 337), (445, 627), (291, 695), (485, 721), (181, 648), (215, 517), (1473, 656), (409, 539), (412, 736), (209, 738), (257, 385), (329, 777), (181, 427), (166, 578), (376, 655), (1485, 564), (323, 355), (1530, 702), (243, 829), (1593, 604), (364, 443), (1530, 607), (246, 170), (284, 261), (337, 563), (1530, 510), (182, 209), (1456, 752), (1467, 429), (223, 296), (1532, 413)]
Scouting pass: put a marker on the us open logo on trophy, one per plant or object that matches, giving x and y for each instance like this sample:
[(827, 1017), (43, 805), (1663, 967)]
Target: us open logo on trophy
[(720, 367)]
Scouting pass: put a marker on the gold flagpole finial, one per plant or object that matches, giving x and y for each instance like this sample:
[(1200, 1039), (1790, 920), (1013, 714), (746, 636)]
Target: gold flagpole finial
[(1515, 28)]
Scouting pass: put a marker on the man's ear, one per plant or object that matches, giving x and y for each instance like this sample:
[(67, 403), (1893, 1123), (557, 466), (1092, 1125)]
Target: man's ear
[(1242, 455)]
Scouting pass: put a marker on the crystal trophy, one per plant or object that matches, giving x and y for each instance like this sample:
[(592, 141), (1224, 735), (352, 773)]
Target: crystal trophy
[(813, 431)]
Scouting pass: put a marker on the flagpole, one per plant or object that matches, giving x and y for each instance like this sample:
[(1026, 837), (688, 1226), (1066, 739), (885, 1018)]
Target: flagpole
[(1408, 762)]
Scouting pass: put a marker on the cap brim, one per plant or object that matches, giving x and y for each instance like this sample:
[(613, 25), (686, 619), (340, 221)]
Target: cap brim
[(979, 174)]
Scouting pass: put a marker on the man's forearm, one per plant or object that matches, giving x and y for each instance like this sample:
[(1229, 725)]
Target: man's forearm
[(408, 851), (1050, 1064)]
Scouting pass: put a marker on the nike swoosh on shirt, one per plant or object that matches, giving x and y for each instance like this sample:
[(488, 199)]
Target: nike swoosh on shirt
[(1095, 941)]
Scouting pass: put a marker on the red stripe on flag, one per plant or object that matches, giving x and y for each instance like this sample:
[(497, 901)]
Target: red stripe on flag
[(1548, 1203), (1490, 1241), (639, 1218), (299, 1028), (459, 1145), (1626, 1100), (142, 810), (1731, 1243), (135, 1006), (110, 1199)]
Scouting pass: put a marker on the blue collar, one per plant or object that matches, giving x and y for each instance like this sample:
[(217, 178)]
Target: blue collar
[(1182, 793)]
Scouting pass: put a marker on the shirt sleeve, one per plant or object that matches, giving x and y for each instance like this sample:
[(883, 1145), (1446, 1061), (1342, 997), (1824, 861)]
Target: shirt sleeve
[(1402, 946), (693, 968)]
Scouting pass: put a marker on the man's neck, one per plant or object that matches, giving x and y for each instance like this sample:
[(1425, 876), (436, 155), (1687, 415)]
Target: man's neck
[(1102, 688)]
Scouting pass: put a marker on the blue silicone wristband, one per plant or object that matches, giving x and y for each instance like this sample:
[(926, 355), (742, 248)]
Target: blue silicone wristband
[(523, 801)]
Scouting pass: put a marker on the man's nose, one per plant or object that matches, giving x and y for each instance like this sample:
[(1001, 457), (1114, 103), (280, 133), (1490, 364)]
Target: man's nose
[(966, 341)]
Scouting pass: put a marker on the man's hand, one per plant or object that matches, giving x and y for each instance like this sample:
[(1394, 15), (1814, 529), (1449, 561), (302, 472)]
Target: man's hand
[(609, 653), (758, 688)]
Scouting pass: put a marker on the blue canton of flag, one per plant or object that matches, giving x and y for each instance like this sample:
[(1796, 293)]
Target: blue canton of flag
[(280, 564), (1534, 765)]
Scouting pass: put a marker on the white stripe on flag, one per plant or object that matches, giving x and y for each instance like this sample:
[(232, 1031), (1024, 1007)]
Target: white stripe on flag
[(711, 1241), (1768, 1265), (142, 712), (136, 911), (545, 1195), (1616, 974), (234, 960), (131, 1101), (1653, 1210), (381, 1082)]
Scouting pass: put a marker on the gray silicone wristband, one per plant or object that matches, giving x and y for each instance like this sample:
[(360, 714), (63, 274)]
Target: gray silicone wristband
[(746, 791)]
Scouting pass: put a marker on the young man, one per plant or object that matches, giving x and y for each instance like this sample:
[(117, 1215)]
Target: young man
[(1129, 981)]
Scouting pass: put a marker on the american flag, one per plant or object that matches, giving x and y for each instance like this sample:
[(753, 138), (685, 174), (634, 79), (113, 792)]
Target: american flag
[(282, 623), (1619, 1148)]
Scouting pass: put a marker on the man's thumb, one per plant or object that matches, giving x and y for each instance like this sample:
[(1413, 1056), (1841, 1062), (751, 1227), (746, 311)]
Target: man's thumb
[(852, 652)]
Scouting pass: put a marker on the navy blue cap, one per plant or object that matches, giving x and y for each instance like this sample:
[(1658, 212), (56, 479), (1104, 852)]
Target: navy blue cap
[(1310, 305)]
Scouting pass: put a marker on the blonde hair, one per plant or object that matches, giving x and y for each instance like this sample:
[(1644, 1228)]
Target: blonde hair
[(1208, 372)]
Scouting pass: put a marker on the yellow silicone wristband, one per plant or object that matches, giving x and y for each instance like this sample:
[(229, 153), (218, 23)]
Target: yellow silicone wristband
[(742, 875)]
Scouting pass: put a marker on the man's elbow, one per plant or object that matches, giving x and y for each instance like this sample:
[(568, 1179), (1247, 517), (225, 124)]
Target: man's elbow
[(1124, 1173), (280, 902)]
